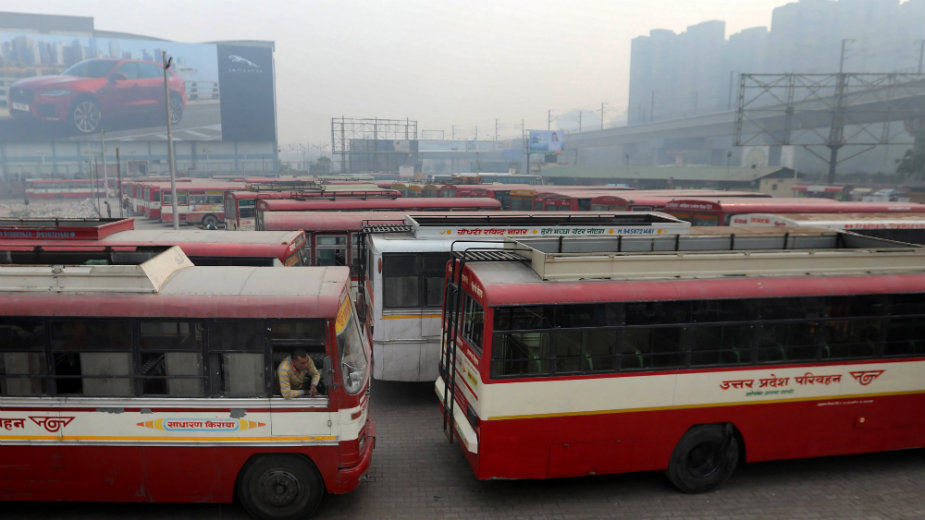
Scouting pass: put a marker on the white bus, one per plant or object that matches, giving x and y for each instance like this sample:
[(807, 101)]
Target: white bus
[(402, 266)]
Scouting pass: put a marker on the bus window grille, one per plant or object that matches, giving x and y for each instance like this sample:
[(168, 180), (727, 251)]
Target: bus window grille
[(371, 227)]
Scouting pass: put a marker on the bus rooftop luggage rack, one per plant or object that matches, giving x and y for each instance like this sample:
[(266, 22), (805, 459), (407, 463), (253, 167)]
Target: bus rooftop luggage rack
[(285, 186), (704, 256), (466, 225), (146, 277)]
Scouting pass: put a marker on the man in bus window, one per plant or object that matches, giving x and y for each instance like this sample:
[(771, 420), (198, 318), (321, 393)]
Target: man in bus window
[(292, 372)]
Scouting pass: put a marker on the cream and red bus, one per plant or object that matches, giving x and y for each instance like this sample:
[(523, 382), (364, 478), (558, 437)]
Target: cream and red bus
[(689, 356), (156, 382)]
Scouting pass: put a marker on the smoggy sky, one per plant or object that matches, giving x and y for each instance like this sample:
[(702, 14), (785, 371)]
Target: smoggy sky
[(444, 63)]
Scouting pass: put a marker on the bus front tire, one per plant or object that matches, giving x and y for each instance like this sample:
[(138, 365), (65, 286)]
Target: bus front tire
[(210, 222), (704, 458), (280, 487)]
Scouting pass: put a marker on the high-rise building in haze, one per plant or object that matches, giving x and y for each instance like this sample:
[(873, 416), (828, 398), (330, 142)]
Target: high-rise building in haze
[(695, 72)]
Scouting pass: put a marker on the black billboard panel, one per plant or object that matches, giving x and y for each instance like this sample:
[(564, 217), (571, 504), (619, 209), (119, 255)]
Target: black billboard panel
[(248, 101)]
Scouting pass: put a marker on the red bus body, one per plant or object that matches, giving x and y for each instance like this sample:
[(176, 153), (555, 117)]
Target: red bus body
[(655, 200), (241, 206), (400, 204), (718, 212), (202, 246)]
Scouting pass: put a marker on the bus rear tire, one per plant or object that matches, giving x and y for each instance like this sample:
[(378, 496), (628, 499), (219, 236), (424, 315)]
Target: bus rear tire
[(280, 487), (704, 458)]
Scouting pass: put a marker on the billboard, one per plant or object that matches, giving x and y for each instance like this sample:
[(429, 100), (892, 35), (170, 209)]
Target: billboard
[(546, 141), (72, 87)]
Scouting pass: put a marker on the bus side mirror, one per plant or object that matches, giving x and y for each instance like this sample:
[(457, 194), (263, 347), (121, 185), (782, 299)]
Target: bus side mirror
[(327, 373)]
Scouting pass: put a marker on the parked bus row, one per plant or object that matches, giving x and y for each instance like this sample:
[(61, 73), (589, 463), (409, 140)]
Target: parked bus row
[(592, 344)]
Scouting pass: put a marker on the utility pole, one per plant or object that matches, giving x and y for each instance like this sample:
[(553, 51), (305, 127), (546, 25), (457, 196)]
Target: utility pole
[(841, 60), (119, 183), (602, 115), (579, 120), (105, 172), (173, 173), (548, 120), (921, 54), (496, 130), (526, 145)]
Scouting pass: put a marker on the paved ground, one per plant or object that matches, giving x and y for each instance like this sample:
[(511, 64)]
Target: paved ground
[(416, 474)]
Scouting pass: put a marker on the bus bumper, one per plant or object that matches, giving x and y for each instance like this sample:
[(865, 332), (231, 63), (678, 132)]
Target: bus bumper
[(349, 478)]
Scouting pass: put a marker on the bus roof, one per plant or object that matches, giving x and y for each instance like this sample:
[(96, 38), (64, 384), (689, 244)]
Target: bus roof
[(718, 252), (328, 221), (671, 266), (422, 228), (512, 284), (834, 220), (63, 229), (737, 205), (169, 285), (359, 205)]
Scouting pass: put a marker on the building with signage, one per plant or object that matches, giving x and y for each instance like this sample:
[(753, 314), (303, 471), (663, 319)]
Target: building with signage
[(73, 97)]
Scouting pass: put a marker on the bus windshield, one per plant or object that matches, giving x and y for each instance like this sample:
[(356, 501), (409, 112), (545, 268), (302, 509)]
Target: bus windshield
[(353, 356)]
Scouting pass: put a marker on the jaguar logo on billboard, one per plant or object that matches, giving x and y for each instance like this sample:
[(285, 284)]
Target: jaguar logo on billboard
[(241, 64)]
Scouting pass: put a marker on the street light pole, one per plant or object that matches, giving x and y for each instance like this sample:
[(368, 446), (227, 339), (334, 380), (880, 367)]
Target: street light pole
[(173, 174)]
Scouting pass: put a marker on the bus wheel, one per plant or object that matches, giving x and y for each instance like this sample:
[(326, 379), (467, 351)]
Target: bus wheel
[(280, 487), (704, 458), (210, 222)]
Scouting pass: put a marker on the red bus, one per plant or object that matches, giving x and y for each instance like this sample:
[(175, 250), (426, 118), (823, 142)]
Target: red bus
[(331, 236), (241, 206), (503, 193), (199, 203), (684, 360), (66, 188), (561, 198), (655, 200), (821, 191), (157, 383), (718, 212), (577, 199), (904, 227), (51, 241), (400, 204)]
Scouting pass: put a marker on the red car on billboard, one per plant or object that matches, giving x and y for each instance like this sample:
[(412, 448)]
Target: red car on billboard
[(97, 90)]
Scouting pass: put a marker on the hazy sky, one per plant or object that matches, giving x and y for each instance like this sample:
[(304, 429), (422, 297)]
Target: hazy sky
[(444, 63)]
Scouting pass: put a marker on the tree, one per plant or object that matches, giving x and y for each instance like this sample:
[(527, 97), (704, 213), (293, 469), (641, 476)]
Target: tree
[(912, 165), (321, 166)]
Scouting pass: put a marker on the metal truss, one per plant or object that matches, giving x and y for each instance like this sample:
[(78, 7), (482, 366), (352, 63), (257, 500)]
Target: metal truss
[(832, 110), (357, 140)]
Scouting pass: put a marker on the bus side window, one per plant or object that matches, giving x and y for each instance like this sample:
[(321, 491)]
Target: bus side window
[(92, 357), (237, 362), (287, 335), (171, 358), (22, 356)]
